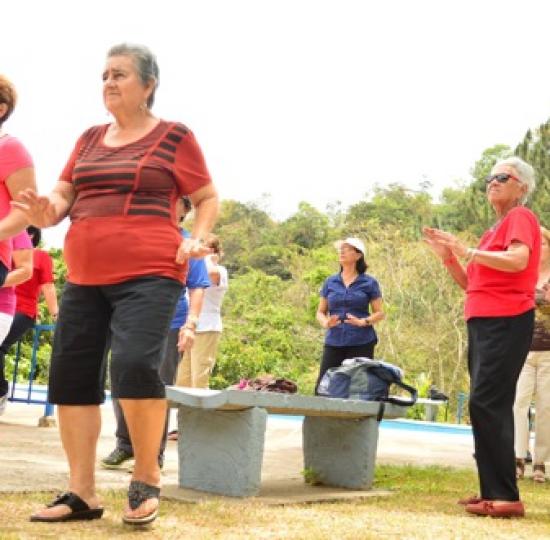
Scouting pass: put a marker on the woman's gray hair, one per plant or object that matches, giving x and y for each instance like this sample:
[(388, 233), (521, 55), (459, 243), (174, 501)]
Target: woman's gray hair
[(145, 62), (524, 171)]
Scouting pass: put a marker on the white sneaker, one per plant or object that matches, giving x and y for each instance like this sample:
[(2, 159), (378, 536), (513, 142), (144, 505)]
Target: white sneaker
[(3, 403)]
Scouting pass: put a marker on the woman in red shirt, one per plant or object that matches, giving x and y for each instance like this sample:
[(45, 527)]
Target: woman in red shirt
[(499, 280), (126, 263), (27, 295)]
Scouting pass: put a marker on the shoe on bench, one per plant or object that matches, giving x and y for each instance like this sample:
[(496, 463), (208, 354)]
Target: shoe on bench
[(116, 459)]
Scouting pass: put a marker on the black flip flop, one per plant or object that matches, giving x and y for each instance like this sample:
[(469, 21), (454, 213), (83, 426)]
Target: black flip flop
[(79, 509), (138, 493)]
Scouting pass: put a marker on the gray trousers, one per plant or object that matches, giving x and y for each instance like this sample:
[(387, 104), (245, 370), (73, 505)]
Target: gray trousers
[(168, 368)]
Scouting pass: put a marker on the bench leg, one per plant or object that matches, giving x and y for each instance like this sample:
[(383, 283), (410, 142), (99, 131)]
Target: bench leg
[(431, 412), (221, 451), (341, 452)]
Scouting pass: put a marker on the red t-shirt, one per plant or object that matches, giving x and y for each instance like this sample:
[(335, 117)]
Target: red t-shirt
[(28, 292), (494, 293), (123, 223), (13, 157)]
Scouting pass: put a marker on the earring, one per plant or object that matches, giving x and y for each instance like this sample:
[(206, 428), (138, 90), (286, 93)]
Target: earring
[(143, 107)]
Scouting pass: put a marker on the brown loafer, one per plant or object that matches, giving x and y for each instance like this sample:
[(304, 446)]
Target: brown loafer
[(501, 510), (474, 499)]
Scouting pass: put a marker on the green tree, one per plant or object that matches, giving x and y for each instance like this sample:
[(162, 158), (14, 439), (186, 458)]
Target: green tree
[(535, 149)]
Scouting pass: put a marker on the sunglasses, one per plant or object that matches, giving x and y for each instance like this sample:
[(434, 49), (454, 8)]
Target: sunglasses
[(502, 178)]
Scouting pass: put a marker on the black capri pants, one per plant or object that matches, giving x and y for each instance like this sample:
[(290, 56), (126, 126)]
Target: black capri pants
[(497, 349), (334, 356), (136, 316)]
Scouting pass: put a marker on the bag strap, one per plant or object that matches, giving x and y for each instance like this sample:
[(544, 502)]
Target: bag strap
[(381, 409), (386, 377), (402, 401)]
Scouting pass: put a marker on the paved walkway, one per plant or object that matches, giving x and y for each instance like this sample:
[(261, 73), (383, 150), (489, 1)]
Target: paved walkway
[(31, 458)]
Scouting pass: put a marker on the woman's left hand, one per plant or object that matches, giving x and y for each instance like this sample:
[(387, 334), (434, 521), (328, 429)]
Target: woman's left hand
[(446, 239), (191, 248), (355, 321)]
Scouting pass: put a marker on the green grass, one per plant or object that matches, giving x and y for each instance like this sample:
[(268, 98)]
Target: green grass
[(423, 506)]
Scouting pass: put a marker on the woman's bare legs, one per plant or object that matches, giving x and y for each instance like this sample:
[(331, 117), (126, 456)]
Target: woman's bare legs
[(145, 419)]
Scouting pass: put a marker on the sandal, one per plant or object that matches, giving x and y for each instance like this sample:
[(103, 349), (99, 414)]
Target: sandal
[(539, 473), (79, 509), (520, 468), (138, 493)]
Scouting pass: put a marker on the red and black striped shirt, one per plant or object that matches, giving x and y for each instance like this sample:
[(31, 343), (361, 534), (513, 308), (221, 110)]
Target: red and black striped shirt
[(123, 216)]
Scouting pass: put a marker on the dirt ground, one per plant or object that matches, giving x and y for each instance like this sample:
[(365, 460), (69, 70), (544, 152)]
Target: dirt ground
[(31, 457)]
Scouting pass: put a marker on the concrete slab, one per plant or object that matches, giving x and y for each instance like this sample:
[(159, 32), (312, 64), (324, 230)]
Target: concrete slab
[(276, 492)]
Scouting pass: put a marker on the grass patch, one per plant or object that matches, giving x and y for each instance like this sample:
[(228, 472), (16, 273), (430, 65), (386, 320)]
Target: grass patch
[(423, 506)]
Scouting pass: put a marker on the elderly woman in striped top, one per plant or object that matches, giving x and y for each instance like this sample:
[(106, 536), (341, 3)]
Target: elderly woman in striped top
[(126, 264)]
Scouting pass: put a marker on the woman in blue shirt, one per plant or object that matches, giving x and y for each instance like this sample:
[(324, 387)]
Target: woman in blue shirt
[(350, 305)]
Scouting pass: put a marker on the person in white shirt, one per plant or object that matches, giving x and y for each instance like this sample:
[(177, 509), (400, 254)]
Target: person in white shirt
[(197, 363)]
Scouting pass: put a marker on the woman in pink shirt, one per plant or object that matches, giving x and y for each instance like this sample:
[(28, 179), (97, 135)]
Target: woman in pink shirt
[(21, 271), (16, 174)]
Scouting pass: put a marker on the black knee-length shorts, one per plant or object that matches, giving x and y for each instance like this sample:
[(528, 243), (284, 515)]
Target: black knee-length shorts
[(134, 316)]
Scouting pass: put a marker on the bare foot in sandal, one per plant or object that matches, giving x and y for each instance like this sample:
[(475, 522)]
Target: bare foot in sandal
[(69, 507), (143, 503)]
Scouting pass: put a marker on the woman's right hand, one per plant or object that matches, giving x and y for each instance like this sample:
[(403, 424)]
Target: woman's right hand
[(39, 209), (332, 321)]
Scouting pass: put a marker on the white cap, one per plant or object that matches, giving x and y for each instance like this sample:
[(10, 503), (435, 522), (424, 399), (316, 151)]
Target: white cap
[(354, 242)]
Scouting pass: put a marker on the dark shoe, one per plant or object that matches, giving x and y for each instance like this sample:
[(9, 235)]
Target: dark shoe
[(138, 493), (539, 473), (520, 468), (474, 499), (79, 509), (501, 510), (528, 457), (115, 459)]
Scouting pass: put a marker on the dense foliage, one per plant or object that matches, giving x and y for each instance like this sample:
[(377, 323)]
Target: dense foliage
[(277, 268)]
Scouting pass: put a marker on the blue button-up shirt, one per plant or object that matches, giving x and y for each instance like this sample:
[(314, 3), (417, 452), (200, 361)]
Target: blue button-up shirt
[(354, 299), (197, 278)]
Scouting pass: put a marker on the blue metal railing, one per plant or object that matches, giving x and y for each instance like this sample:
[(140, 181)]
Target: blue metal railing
[(461, 401), (37, 330)]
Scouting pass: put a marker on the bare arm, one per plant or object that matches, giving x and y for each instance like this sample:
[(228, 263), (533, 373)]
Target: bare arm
[(323, 317), (16, 220), (514, 259), (444, 252), (22, 267), (50, 295), (377, 314), (206, 203), (46, 210), (187, 331), (212, 268), (377, 311)]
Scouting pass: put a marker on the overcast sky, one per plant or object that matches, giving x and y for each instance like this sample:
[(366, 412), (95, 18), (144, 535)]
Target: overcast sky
[(301, 99)]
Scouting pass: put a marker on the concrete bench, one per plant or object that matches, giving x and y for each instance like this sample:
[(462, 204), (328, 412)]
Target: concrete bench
[(431, 407), (221, 437)]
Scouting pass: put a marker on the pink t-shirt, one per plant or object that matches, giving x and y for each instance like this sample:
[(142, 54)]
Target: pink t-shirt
[(13, 157), (7, 294)]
